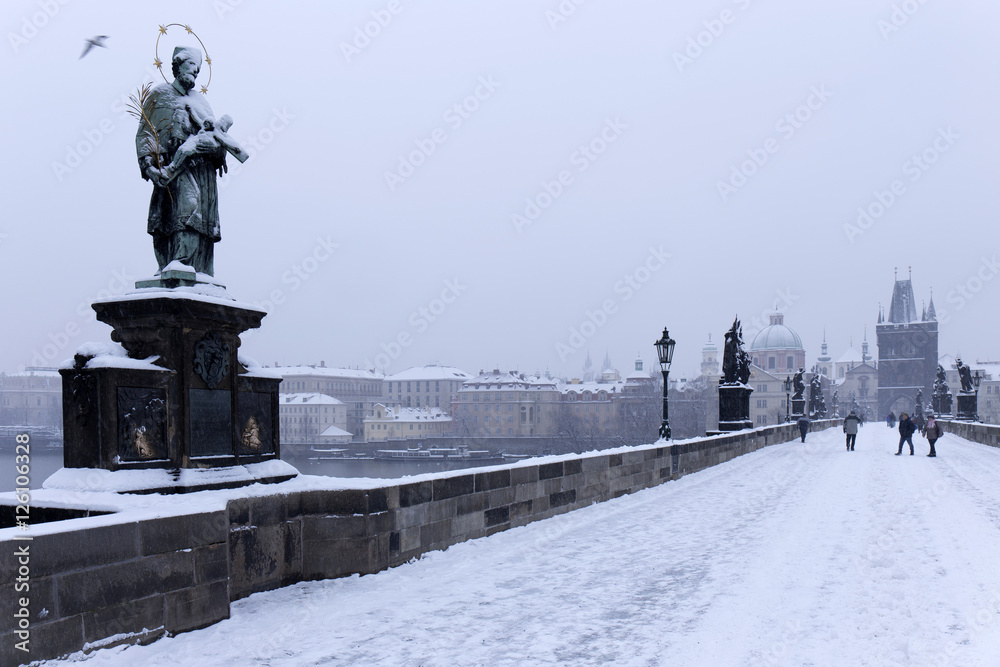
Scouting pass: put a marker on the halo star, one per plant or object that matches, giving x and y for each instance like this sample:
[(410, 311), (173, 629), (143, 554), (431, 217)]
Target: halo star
[(159, 64)]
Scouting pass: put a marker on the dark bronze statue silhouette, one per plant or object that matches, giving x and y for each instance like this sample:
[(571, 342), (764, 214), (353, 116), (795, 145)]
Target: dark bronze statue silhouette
[(735, 360)]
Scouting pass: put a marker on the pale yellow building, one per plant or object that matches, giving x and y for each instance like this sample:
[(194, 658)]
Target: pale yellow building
[(396, 423)]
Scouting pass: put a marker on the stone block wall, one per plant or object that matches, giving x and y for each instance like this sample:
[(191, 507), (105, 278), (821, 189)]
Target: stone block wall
[(984, 434), (142, 579), (138, 580)]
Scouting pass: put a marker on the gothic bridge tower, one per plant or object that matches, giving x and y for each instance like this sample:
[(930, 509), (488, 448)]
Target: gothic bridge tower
[(907, 351)]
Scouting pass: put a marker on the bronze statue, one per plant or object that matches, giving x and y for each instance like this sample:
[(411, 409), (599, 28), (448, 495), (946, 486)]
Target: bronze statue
[(799, 384), (735, 360), (817, 404), (940, 382), (964, 375), (180, 147)]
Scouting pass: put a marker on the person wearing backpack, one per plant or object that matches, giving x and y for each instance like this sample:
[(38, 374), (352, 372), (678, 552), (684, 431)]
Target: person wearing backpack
[(932, 431), (851, 422)]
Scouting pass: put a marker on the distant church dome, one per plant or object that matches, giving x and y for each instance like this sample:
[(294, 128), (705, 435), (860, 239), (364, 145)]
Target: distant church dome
[(776, 336)]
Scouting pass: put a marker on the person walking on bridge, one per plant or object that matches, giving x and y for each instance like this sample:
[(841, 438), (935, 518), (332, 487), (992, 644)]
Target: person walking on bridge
[(803, 423), (906, 430), (932, 431), (851, 422)]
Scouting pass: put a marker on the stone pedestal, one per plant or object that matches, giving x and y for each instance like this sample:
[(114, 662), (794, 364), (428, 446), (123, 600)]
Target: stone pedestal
[(734, 407), (798, 408), (180, 398), (967, 406), (941, 404)]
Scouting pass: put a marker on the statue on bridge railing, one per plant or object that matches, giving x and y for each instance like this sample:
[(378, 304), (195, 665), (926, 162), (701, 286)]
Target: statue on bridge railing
[(735, 360), (799, 385), (940, 382), (941, 398), (965, 375), (817, 406), (734, 393)]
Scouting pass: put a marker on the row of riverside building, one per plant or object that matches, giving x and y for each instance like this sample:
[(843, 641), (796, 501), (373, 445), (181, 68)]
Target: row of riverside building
[(337, 406), (320, 404)]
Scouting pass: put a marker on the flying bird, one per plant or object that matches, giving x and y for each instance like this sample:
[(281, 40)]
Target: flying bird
[(92, 42)]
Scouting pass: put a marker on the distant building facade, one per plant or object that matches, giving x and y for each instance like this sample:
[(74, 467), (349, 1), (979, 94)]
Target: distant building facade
[(507, 403), (777, 353), (989, 401), (424, 387), (777, 349), (859, 386), (907, 351), (305, 417), (31, 398), (398, 423), (768, 400), (710, 359), (359, 390)]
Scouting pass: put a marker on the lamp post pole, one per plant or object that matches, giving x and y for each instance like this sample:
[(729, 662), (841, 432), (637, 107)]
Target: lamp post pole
[(665, 354), (976, 379), (787, 386)]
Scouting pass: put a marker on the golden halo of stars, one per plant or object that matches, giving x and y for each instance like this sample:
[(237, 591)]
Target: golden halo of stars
[(159, 63)]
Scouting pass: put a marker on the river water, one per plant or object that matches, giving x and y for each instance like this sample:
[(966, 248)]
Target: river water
[(46, 460)]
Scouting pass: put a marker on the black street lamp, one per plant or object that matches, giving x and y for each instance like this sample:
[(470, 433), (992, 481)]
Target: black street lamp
[(787, 386), (976, 379), (665, 353)]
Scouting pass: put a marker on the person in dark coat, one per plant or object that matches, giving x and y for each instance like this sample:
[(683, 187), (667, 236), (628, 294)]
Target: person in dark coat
[(851, 423), (906, 431), (932, 431), (891, 420), (803, 423)]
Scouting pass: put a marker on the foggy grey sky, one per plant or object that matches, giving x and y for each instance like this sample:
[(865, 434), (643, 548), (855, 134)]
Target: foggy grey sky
[(326, 127)]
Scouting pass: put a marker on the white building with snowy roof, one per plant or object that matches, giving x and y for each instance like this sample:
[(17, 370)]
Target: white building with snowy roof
[(307, 417), (357, 388)]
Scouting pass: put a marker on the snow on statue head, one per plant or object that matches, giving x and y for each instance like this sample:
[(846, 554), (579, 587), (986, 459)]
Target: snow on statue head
[(184, 53)]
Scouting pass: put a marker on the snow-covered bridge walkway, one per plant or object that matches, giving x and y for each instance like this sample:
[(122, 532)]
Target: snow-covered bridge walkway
[(793, 555)]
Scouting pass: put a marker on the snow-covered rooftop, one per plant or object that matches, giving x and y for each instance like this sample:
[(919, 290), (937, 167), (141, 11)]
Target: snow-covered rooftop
[(354, 373), (851, 356), (334, 431), (413, 415), (432, 372), (34, 371), (312, 398), (592, 387), (505, 380)]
